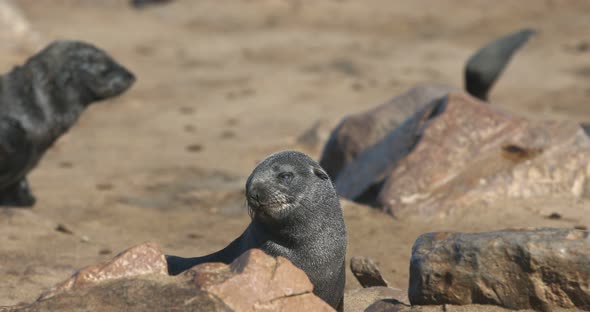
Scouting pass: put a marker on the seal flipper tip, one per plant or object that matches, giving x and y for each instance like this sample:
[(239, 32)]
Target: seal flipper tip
[(485, 66)]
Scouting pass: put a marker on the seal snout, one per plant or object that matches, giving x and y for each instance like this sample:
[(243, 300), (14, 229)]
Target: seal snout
[(254, 197)]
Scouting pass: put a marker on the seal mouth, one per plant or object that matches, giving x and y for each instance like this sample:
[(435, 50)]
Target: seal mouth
[(274, 206)]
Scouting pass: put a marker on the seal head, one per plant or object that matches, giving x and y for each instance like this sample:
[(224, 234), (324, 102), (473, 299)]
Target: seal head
[(278, 189)]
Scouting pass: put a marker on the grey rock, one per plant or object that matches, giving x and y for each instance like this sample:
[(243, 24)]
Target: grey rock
[(540, 269)]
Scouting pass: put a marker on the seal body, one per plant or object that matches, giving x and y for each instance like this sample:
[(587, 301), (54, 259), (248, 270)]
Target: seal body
[(295, 214), (42, 99)]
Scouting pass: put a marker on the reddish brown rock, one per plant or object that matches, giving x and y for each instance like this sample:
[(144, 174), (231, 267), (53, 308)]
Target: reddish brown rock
[(137, 280), (518, 269), (459, 151), (474, 152), (142, 259), (258, 282), (355, 133)]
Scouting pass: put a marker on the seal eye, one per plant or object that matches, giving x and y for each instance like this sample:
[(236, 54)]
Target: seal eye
[(285, 177)]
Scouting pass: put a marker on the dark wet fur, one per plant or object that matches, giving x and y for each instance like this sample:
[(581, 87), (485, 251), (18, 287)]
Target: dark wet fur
[(487, 64), (311, 233), (42, 99)]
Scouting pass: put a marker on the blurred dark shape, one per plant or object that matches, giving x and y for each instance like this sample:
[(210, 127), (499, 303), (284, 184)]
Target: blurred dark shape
[(140, 4), (42, 99), (486, 65)]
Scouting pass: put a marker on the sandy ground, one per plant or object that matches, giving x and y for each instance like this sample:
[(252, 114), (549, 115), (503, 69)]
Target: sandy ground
[(221, 84)]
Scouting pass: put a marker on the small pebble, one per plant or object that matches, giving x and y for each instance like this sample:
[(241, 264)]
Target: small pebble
[(63, 229), (65, 164), (105, 251), (193, 148), (104, 186)]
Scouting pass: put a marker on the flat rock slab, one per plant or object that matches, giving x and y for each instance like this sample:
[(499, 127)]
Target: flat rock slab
[(538, 269), (137, 280)]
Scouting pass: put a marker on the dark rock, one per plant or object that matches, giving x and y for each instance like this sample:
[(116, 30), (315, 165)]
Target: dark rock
[(517, 269), (366, 272)]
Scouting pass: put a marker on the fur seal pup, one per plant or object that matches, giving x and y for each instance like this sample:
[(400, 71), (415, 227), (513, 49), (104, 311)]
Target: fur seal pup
[(296, 214), (42, 99)]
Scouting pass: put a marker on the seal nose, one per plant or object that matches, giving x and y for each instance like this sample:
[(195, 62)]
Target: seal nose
[(254, 197)]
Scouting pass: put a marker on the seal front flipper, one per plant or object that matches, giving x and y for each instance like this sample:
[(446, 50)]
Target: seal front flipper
[(17, 195), (244, 242), (16, 152), (486, 65)]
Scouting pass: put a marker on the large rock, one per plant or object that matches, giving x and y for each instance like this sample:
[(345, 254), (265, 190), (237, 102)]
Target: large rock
[(147, 293), (258, 282), (355, 133), (459, 151), (142, 259), (517, 269), (137, 280)]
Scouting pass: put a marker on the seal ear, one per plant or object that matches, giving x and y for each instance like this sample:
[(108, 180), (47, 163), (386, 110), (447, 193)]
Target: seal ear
[(320, 173)]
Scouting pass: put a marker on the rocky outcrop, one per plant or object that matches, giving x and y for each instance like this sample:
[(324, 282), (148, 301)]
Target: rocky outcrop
[(518, 269), (459, 151), (137, 280), (143, 259)]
